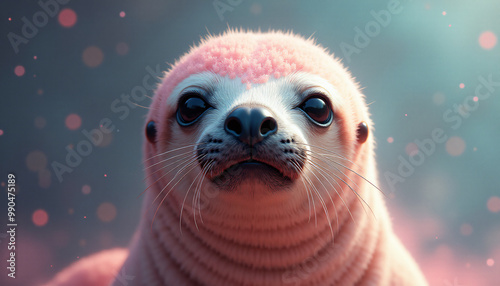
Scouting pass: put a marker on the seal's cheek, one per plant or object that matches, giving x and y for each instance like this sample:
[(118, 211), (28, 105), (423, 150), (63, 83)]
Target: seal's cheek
[(362, 132)]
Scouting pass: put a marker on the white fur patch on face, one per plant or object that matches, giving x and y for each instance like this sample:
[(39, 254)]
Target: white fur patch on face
[(295, 147), (233, 92)]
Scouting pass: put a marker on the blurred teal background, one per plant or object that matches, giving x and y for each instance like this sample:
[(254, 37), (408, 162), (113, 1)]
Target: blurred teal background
[(423, 61)]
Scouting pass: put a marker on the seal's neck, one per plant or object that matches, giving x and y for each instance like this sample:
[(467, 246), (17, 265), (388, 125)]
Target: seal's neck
[(291, 243)]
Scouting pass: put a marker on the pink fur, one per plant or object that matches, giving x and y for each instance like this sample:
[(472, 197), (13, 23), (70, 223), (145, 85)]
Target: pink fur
[(96, 270), (271, 242), (255, 57)]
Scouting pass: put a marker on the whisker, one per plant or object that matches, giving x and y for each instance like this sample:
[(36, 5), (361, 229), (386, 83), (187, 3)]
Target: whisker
[(317, 167), (324, 204), (322, 171), (172, 150), (343, 174), (361, 176), (307, 191), (332, 152), (310, 197), (349, 186), (169, 158), (168, 165), (197, 194), (169, 191), (189, 159), (192, 163), (142, 106), (184, 201)]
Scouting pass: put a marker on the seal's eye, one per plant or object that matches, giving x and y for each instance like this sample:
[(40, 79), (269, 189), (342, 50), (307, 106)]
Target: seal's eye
[(190, 109), (318, 110), (151, 131)]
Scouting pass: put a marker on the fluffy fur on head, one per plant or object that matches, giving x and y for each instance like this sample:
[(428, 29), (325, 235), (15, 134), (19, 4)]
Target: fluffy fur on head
[(255, 58)]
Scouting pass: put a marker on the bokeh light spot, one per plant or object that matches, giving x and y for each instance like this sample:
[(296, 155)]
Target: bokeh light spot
[(40, 122), (67, 18), (444, 13), (36, 161), (44, 178), (106, 239), (390, 139), (40, 217), (494, 204), (73, 121), (106, 212), (455, 146), (411, 149), (82, 242), (487, 40), (86, 189), (1, 132), (466, 229), (122, 14), (92, 56), (122, 48), (461, 85), (256, 9), (438, 98), (490, 262), (106, 140), (19, 70), (475, 98)]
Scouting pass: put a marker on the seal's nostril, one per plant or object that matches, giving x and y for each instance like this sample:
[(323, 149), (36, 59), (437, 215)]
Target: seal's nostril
[(268, 126), (234, 125), (250, 125)]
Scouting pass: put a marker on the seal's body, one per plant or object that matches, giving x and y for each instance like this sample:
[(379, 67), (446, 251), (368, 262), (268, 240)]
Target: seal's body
[(261, 171)]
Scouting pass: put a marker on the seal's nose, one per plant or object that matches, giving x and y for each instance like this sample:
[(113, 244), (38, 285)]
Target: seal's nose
[(251, 125)]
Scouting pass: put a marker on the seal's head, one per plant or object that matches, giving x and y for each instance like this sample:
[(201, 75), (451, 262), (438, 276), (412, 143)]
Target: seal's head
[(254, 133), (254, 116)]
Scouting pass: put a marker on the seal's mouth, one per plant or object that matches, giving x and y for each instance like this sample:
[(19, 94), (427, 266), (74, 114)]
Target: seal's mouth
[(252, 163), (253, 168)]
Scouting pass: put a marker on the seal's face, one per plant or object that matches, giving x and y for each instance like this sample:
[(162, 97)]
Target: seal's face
[(257, 138), (249, 119)]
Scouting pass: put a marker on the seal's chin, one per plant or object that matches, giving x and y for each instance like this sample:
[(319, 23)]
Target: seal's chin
[(252, 171)]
